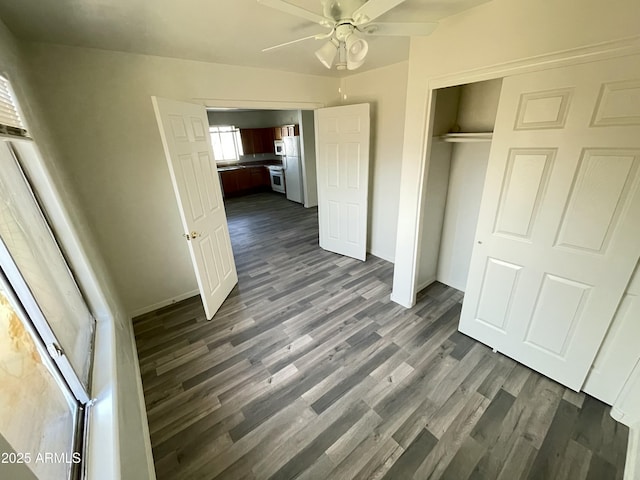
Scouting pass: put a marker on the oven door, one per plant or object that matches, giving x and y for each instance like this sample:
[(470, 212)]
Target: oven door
[(277, 181)]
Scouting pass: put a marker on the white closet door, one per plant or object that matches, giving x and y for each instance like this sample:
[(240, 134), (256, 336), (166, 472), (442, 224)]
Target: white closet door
[(619, 352), (559, 223)]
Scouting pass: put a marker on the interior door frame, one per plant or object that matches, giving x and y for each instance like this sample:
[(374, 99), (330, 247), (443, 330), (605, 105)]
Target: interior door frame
[(405, 280), (272, 105), (406, 271)]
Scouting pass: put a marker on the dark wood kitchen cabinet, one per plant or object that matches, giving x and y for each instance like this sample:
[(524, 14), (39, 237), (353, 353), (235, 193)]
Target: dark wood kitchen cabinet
[(260, 140), (229, 182), (245, 180), (246, 136), (257, 140), (260, 178)]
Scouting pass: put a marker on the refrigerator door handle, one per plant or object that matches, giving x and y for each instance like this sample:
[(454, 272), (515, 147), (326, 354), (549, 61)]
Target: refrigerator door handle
[(284, 162)]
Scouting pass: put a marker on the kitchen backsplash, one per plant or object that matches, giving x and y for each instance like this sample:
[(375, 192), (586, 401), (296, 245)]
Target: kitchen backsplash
[(257, 157)]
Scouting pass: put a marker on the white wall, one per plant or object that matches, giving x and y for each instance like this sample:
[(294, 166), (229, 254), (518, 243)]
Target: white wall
[(434, 201), (254, 118), (494, 33), (98, 104), (478, 106), (53, 185), (466, 181), (433, 213), (385, 89)]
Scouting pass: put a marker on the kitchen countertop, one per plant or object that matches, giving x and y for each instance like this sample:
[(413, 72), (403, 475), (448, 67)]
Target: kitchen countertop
[(237, 166), (226, 169)]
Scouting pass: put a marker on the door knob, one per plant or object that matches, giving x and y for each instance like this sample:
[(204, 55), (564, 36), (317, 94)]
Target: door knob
[(190, 236)]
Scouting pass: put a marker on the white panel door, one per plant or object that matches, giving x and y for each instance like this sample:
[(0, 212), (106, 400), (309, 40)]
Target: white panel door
[(342, 159), (185, 135), (619, 352), (559, 226)]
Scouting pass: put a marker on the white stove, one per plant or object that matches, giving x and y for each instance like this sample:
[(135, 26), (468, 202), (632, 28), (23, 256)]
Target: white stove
[(277, 178)]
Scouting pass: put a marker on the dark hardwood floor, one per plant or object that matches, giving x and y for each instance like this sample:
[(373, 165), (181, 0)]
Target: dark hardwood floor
[(309, 371)]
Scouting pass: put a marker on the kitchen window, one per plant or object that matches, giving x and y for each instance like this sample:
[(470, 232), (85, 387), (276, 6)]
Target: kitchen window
[(226, 142)]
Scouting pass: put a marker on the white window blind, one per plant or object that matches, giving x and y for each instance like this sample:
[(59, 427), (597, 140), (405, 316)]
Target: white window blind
[(10, 121)]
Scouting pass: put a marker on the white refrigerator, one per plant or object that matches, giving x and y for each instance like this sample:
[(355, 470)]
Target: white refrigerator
[(292, 165)]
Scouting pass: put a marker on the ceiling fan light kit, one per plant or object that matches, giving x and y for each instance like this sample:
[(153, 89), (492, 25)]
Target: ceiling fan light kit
[(357, 49), (350, 49), (346, 25), (328, 52), (342, 57)]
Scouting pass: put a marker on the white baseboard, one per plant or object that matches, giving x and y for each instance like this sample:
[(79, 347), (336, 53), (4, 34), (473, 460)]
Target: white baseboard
[(144, 425), (632, 465), (425, 284), (410, 302), (381, 255), (401, 301), (150, 308)]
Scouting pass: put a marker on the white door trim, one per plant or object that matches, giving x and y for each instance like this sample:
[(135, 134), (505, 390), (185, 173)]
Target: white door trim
[(405, 287), (563, 58), (256, 104)]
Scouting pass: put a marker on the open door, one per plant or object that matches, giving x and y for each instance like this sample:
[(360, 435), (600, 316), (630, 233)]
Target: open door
[(559, 226), (185, 137), (342, 158)]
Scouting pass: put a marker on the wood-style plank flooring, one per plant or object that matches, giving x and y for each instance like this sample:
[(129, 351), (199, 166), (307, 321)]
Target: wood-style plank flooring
[(309, 371)]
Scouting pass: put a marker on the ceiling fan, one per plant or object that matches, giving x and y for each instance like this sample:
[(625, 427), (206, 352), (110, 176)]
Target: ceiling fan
[(348, 21)]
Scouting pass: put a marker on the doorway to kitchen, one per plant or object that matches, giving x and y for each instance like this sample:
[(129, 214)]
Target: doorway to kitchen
[(265, 151)]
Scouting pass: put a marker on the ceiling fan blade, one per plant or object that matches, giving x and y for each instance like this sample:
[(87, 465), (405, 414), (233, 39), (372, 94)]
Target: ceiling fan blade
[(297, 11), (373, 9), (318, 36), (399, 29)]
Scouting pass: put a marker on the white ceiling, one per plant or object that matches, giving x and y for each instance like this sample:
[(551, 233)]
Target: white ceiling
[(219, 31)]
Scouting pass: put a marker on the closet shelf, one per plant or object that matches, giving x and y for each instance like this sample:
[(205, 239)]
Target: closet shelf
[(466, 137)]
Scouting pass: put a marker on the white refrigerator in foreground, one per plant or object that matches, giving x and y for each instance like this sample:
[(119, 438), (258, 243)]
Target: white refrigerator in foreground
[(291, 164)]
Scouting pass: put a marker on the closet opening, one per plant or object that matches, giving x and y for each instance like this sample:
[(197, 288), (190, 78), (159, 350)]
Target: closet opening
[(463, 124)]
